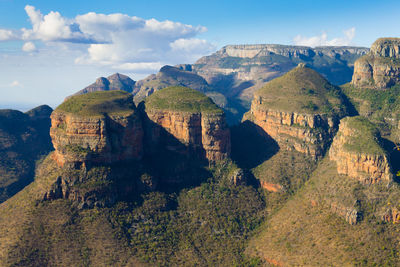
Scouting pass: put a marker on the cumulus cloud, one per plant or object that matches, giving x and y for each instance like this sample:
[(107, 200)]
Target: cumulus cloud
[(6, 35), (322, 40), (116, 40), (29, 47)]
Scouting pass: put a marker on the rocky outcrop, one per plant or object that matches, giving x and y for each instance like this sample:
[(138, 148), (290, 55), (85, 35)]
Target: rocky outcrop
[(380, 68), (357, 152), (282, 109), (169, 76), (392, 215), (306, 133), (206, 135), (106, 137), (188, 122), (116, 81)]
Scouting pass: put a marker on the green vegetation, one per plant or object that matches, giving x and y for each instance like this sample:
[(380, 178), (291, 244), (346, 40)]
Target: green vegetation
[(307, 231), (302, 90), (365, 137), (380, 106), (99, 103), (209, 226), (178, 98)]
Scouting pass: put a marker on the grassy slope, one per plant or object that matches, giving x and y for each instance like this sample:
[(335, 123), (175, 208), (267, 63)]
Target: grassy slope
[(301, 90), (302, 234), (54, 233), (98, 103), (365, 137), (178, 98), (378, 105)]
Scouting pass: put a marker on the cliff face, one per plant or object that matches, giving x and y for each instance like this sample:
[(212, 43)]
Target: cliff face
[(305, 133), (206, 135), (100, 140), (292, 110), (86, 129), (357, 152), (380, 68)]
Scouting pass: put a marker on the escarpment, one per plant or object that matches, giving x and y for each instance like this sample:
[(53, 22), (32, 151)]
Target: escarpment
[(191, 122), (300, 110), (357, 152), (101, 127), (380, 68)]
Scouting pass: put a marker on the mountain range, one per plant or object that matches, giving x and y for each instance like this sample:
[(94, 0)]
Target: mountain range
[(257, 155)]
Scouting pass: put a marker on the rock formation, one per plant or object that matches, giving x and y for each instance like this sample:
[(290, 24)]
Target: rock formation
[(169, 76), (190, 118), (380, 68), (101, 127), (357, 152), (300, 110), (116, 81)]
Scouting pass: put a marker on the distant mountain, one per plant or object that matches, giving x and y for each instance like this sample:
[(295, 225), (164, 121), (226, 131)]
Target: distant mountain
[(170, 76), (24, 137), (114, 82)]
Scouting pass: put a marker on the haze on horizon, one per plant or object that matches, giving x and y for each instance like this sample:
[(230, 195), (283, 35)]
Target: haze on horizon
[(51, 49)]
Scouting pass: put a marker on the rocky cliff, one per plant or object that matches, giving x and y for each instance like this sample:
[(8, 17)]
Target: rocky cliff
[(101, 127), (380, 68), (191, 119), (300, 110), (358, 153)]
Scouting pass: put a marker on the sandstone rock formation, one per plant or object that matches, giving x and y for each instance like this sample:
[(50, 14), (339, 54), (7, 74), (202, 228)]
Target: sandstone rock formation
[(380, 68), (102, 127), (192, 119), (300, 110), (357, 152)]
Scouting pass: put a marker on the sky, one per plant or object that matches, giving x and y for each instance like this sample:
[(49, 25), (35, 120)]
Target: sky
[(51, 49)]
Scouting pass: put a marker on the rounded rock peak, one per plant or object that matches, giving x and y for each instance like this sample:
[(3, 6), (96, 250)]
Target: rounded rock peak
[(302, 65), (386, 47), (181, 99)]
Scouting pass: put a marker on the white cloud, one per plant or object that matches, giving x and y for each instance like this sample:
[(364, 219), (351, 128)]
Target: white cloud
[(322, 40), (29, 47), (53, 27), (6, 35), (117, 41)]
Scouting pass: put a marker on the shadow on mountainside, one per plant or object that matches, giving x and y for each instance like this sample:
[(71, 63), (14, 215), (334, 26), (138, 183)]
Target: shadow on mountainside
[(394, 156), (251, 145)]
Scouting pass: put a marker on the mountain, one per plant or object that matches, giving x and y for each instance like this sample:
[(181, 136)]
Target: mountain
[(169, 76), (300, 110), (380, 68), (114, 82), (24, 139), (344, 214), (375, 87), (109, 198)]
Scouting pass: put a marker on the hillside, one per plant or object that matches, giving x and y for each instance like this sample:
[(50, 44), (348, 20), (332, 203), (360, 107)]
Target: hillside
[(24, 139)]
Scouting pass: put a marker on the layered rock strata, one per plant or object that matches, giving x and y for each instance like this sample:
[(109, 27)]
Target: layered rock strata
[(357, 152), (299, 110), (102, 138), (200, 132), (380, 68)]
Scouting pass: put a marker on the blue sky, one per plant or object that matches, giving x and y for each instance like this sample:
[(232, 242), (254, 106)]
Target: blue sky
[(50, 49)]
